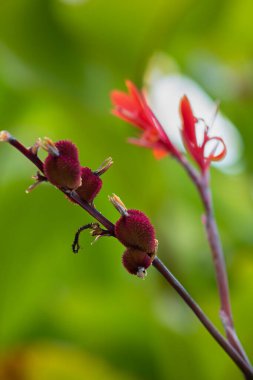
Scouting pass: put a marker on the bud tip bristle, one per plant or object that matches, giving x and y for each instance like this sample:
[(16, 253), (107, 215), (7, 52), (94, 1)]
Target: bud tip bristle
[(49, 146), (118, 204), (104, 166)]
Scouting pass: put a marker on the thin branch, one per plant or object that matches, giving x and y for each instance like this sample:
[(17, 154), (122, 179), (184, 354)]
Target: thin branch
[(220, 268), (28, 153), (72, 195), (91, 210), (202, 184), (227, 347)]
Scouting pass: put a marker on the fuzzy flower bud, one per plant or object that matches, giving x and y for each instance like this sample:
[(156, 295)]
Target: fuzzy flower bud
[(91, 181), (91, 185), (135, 231), (136, 261), (62, 167)]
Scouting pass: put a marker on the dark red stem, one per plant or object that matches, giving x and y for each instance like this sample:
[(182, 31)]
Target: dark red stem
[(91, 210), (72, 195), (27, 153), (228, 348), (225, 344)]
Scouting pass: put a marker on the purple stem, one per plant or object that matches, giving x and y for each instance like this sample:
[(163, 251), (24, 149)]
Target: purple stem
[(228, 348), (91, 210), (71, 195), (225, 344), (27, 153), (202, 184)]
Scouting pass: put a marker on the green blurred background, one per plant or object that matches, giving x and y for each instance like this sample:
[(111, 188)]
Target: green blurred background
[(78, 317)]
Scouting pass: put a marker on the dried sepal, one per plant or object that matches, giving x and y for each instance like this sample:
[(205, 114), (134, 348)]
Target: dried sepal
[(96, 231), (118, 204), (35, 147), (108, 162), (49, 146), (39, 178)]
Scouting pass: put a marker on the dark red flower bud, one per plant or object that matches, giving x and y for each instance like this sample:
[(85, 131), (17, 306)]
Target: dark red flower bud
[(135, 230), (136, 261), (62, 167), (91, 185), (91, 181)]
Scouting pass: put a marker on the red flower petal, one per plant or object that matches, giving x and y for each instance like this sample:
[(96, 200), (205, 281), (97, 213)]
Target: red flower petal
[(133, 108), (189, 135), (159, 153), (122, 100), (212, 156), (189, 121)]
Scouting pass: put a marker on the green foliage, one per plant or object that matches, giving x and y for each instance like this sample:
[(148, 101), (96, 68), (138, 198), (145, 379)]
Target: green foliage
[(66, 314)]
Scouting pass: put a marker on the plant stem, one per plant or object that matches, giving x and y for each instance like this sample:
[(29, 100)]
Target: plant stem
[(220, 268), (228, 348), (202, 184), (27, 153), (71, 195), (91, 210)]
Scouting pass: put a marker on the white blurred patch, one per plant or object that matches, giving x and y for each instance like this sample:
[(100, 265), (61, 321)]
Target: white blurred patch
[(165, 92)]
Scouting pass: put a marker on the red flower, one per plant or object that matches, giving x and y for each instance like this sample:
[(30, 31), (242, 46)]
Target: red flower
[(133, 108), (189, 134)]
